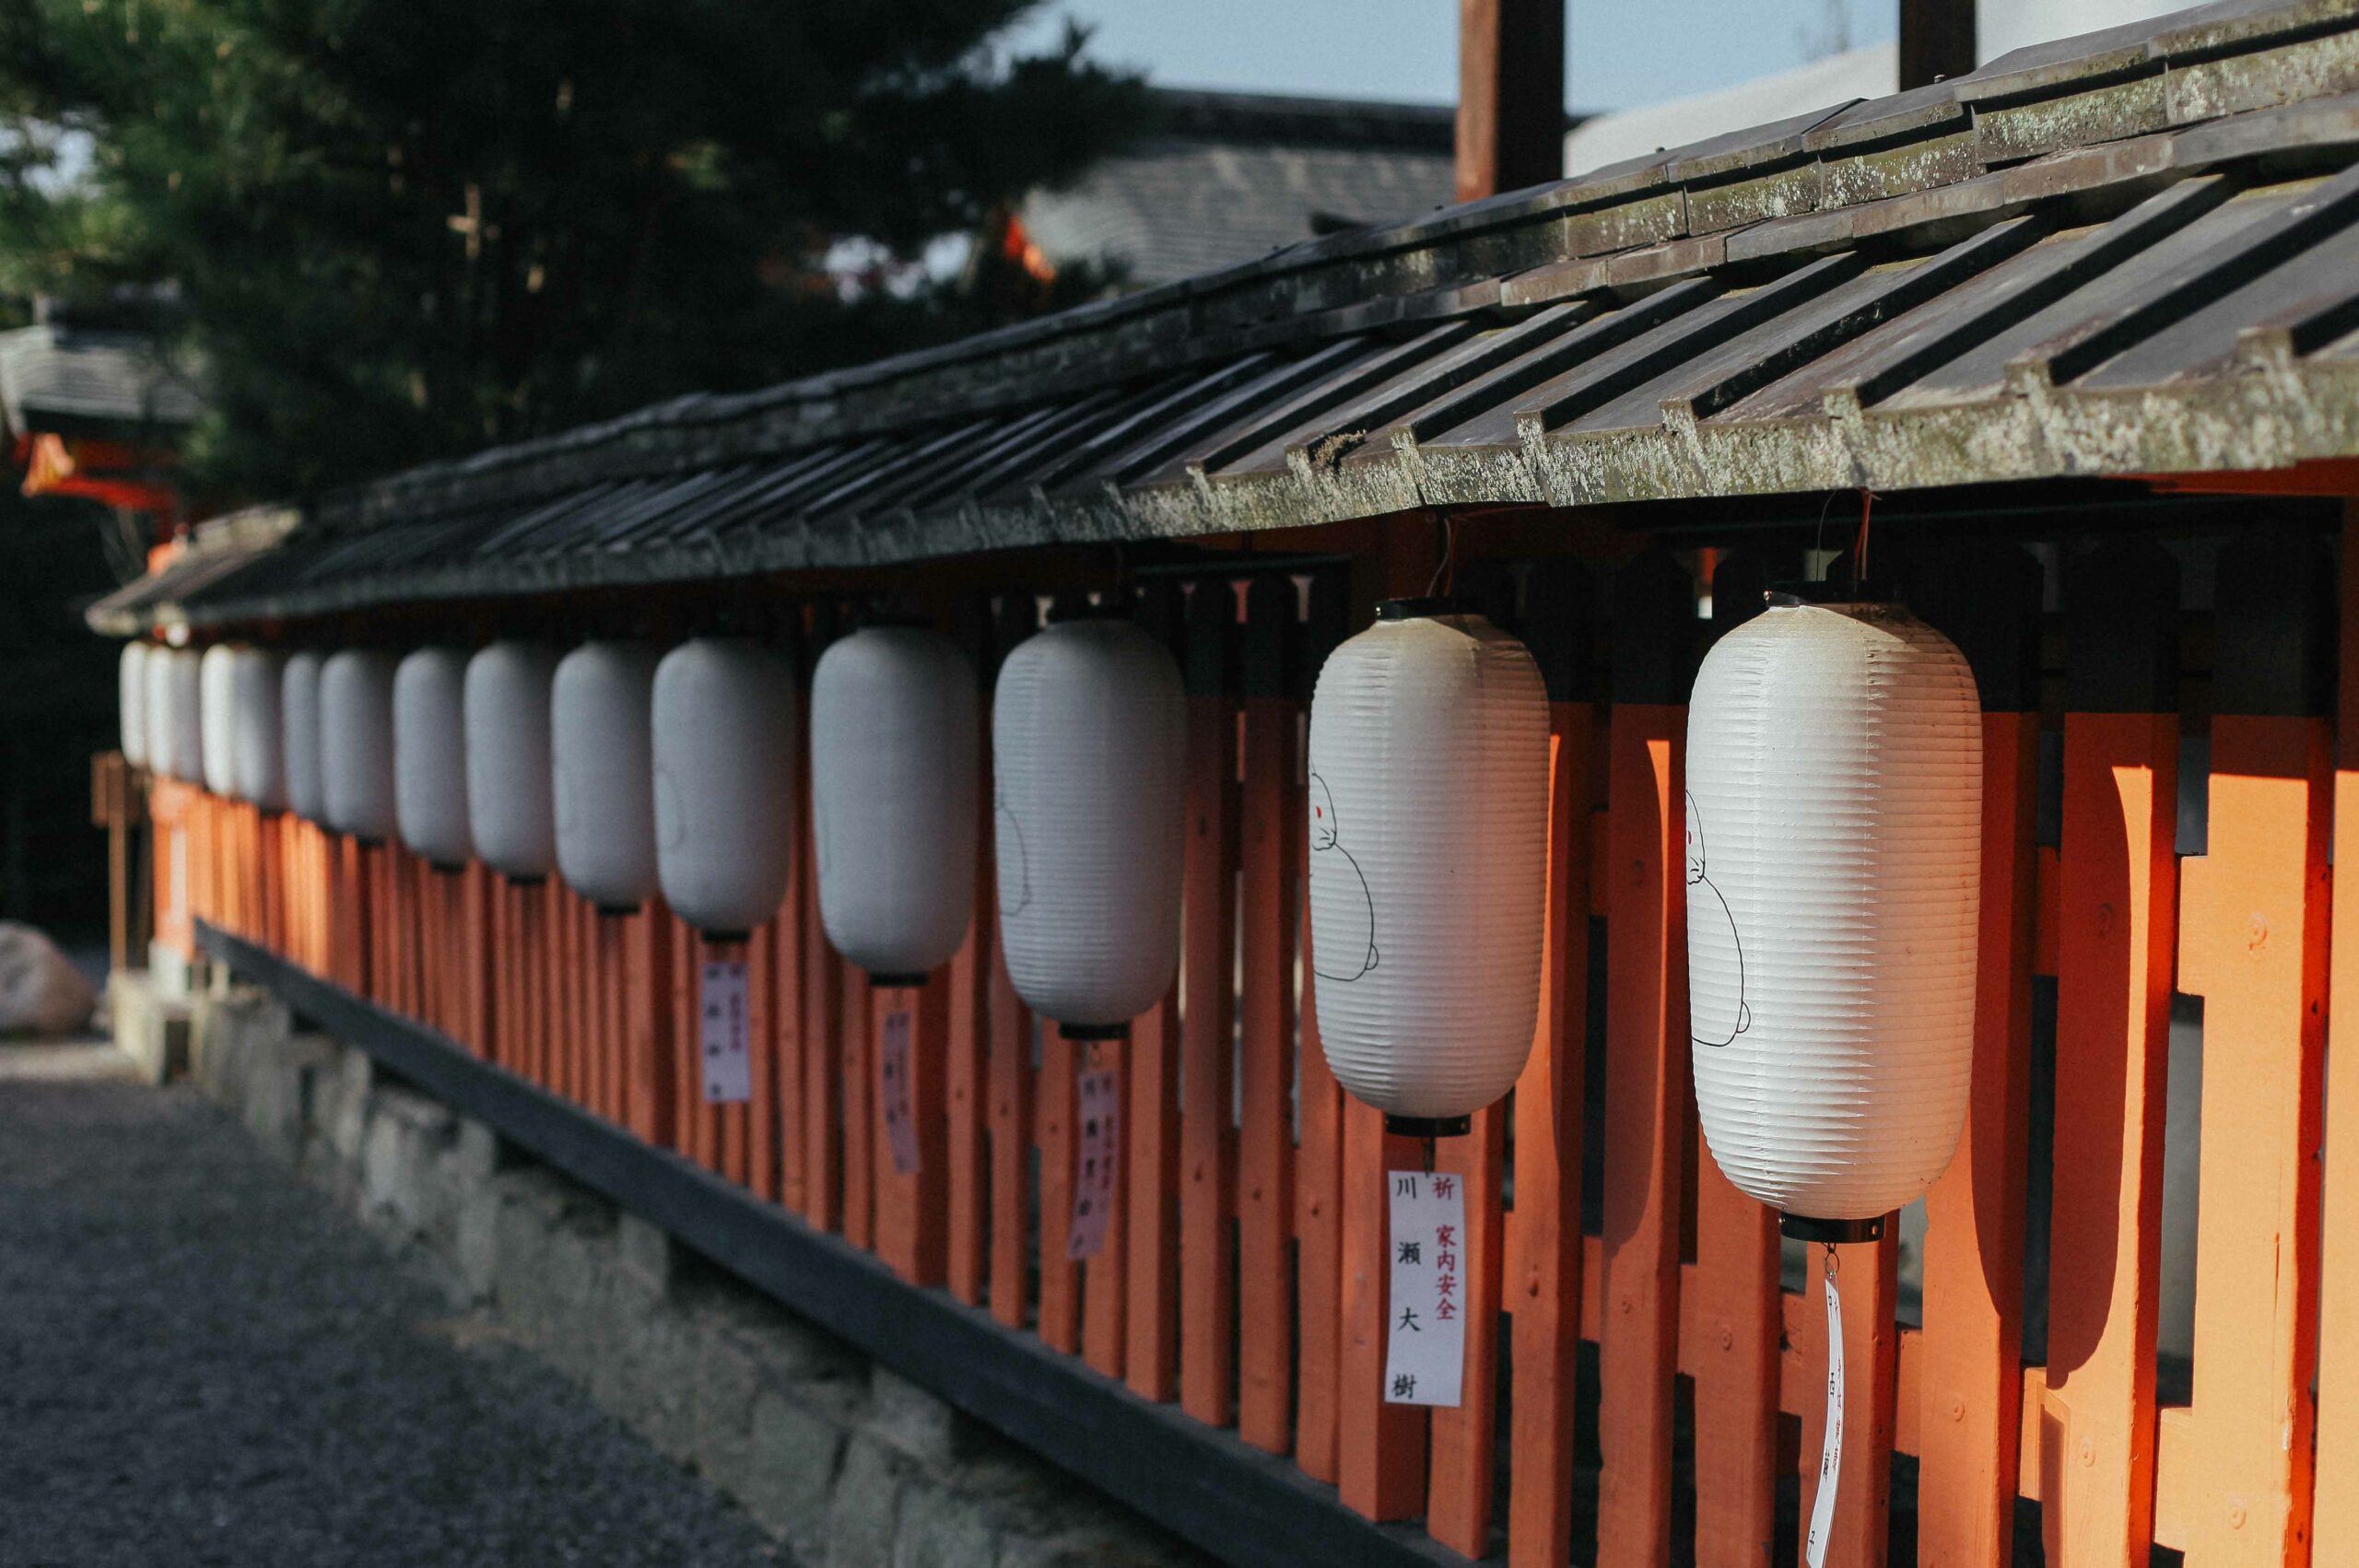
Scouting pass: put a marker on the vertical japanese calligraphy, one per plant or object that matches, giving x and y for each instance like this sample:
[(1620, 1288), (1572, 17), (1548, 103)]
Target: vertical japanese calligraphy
[(1099, 1094), (725, 1044), (1426, 1333)]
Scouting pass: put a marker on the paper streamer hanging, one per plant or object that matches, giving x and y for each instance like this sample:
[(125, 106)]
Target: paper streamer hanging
[(1830, 1458), (1101, 1144), (893, 1068), (1426, 1334), (726, 1043)]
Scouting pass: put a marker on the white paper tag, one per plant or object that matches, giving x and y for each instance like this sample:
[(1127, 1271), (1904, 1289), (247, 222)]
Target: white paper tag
[(1830, 1458), (1101, 1144), (728, 1055), (893, 1070), (1426, 1338)]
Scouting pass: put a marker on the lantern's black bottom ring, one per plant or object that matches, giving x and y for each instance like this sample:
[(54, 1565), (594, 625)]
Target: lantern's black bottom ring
[(1428, 1126), (1094, 1031), (894, 980), (619, 911), (525, 881), (718, 939), (1841, 1233), (447, 868)]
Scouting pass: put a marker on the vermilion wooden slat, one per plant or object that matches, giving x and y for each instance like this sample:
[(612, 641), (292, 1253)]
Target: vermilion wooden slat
[(1380, 1448), (2253, 944), (1151, 1144), (1151, 1135), (647, 981), (1319, 1156), (2116, 888), (1207, 1176), (1463, 1444), (2335, 1523), (761, 1112), (1733, 1287), (1970, 1383), (1105, 1296), (1544, 1268), (918, 1200), (822, 1019), (1646, 1059), (855, 1078), (1059, 1320), (965, 1141), (1010, 1061), (1264, 1200), (790, 946)]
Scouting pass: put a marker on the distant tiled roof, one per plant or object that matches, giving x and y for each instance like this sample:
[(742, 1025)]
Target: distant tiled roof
[(2131, 253), (56, 376), (1178, 209)]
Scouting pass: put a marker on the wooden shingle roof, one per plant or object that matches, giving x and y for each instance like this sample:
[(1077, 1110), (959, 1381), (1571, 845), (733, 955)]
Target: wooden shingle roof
[(2134, 252)]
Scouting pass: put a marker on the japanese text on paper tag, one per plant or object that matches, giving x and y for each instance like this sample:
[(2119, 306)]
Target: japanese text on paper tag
[(727, 1046), (1101, 1144), (893, 1069), (1425, 1328)]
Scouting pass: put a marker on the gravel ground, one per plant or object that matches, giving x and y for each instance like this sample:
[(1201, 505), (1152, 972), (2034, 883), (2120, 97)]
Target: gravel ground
[(202, 1362)]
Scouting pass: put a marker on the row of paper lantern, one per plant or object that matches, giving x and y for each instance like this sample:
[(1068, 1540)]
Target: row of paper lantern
[(1832, 813)]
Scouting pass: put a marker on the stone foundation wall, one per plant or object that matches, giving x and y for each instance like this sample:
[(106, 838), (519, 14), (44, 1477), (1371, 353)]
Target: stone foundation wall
[(844, 1462)]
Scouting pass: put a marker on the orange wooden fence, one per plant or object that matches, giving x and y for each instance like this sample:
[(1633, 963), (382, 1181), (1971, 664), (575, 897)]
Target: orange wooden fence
[(1244, 1275)]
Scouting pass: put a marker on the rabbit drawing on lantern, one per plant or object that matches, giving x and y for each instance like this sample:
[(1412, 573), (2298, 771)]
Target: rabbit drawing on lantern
[(1712, 1020), (1350, 953)]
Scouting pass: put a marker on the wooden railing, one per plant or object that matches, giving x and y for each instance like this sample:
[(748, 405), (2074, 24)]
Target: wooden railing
[(1244, 1277)]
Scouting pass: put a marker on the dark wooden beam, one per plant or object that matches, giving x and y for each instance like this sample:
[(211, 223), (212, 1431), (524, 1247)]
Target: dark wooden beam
[(1936, 41), (1510, 95)]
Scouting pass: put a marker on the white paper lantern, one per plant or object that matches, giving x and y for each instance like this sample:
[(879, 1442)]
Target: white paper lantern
[(1834, 824), (131, 702), (258, 739), (430, 756), (896, 741), (1088, 733), (218, 730), (511, 805), (159, 713), (724, 721), (299, 709), (357, 743), (602, 748), (1428, 808), (184, 710)]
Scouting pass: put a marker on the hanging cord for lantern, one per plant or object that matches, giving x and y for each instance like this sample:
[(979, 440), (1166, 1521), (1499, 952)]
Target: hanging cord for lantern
[(1860, 543), (1429, 1155), (1445, 576)]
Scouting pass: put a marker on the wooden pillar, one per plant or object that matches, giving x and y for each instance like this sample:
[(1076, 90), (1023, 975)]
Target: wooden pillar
[(1510, 95), (1970, 1386), (1936, 41)]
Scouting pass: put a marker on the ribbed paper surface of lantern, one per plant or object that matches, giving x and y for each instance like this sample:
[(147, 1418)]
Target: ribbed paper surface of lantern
[(1833, 844), (184, 710), (601, 744), (258, 737), (159, 713), (1429, 818), (896, 740), (1087, 735), (430, 756), (299, 715), (724, 724), (511, 804), (130, 703), (357, 743), (218, 706)]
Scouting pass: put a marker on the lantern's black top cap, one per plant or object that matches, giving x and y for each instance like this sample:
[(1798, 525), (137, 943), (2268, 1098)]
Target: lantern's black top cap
[(1088, 612), (1867, 591), (1416, 609)]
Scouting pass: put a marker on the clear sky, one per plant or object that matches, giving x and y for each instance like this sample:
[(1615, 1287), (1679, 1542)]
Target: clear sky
[(1618, 53)]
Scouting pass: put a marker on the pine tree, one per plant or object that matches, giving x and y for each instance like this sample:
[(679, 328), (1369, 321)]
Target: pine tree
[(406, 229)]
